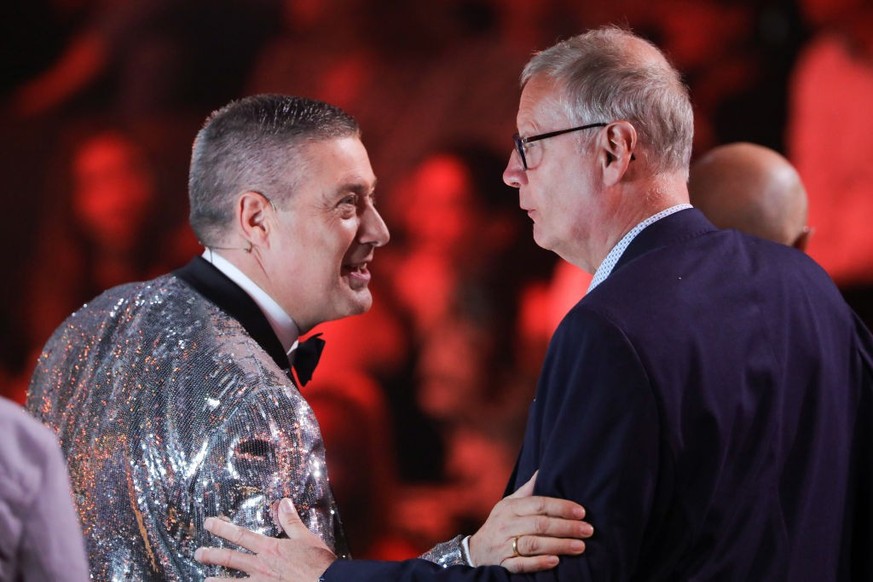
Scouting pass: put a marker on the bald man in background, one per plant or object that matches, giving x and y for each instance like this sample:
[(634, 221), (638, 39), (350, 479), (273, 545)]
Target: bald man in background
[(753, 189)]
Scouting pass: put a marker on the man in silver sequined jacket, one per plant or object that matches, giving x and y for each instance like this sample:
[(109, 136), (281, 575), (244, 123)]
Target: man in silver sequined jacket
[(175, 400), (172, 398)]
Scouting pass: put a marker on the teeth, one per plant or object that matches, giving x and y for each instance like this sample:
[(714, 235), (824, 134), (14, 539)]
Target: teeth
[(356, 266)]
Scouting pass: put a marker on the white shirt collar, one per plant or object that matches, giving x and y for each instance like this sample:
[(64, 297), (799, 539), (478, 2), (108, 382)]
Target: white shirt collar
[(617, 251), (282, 324)]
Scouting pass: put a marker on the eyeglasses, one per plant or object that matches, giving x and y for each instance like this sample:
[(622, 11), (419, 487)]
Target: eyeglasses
[(521, 143)]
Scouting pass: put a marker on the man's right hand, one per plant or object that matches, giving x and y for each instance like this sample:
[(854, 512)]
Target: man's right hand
[(527, 534)]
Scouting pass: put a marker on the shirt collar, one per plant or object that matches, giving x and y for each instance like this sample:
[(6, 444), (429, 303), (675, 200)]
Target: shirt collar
[(608, 264), (282, 324)]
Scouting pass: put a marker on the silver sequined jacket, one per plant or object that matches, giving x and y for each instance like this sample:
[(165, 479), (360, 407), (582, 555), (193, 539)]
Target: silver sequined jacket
[(168, 412)]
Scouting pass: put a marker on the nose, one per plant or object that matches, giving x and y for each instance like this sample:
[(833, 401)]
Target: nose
[(374, 231), (514, 174)]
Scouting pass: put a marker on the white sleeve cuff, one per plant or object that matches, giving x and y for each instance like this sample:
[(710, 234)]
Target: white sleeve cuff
[(465, 550)]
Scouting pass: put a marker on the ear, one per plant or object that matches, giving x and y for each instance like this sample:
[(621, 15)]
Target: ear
[(252, 214), (802, 241), (618, 142)]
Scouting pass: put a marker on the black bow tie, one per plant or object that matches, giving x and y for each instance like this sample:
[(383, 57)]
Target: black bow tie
[(306, 358)]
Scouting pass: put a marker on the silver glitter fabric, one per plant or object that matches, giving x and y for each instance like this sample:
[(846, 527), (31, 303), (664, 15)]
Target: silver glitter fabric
[(446, 554), (168, 412)]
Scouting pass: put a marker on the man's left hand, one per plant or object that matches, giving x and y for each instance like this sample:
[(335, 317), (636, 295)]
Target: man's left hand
[(301, 557)]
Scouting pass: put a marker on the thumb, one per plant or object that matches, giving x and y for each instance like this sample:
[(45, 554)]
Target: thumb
[(288, 517), (527, 489)]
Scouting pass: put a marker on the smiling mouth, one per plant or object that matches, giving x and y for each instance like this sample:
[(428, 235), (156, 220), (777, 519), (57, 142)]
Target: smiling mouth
[(357, 273)]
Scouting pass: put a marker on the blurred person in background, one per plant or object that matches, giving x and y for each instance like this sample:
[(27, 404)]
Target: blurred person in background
[(40, 536), (753, 189), (152, 58), (106, 226), (460, 265), (831, 92), (354, 420)]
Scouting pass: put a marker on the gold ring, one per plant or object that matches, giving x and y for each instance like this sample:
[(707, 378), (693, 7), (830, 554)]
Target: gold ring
[(515, 552)]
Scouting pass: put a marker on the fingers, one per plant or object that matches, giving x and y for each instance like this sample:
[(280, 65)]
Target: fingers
[(526, 565), (549, 506), (522, 515), (239, 536), (529, 546), (536, 554), (556, 527), (225, 557), (289, 519), (527, 489), (527, 504)]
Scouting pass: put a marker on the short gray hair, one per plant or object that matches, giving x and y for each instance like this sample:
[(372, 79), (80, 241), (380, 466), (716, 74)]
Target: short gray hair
[(604, 79), (253, 144)]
